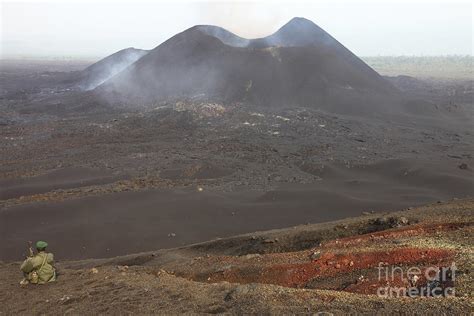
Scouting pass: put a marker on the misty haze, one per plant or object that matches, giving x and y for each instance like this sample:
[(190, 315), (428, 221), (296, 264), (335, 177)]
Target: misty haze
[(236, 158)]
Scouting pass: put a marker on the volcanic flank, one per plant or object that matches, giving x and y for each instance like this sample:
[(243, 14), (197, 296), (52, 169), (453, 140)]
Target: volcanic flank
[(104, 69), (300, 64)]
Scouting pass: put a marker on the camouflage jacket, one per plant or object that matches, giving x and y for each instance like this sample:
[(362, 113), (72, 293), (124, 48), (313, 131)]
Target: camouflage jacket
[(46, 272)]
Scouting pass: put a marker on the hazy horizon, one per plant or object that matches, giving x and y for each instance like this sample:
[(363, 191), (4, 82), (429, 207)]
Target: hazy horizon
[(90, 30)]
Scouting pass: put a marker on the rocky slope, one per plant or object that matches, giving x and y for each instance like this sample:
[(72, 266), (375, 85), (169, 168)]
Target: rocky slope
[(329, 267)]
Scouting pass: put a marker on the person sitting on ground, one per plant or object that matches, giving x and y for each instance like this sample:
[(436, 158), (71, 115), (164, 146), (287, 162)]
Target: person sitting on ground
[(39, 269)]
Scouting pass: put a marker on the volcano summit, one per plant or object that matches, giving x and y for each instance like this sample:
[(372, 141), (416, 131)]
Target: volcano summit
[(300, 64)]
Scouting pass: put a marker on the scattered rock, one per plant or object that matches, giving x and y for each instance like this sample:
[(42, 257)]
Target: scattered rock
[(463, 166), (223, 268), (94, 270), (252, 256), (243, 289), (391, 222), (398, 221), (403, 220), (122, 268), (381, 221), (171, 235), (65, 298), (270, 241), (315, 255)]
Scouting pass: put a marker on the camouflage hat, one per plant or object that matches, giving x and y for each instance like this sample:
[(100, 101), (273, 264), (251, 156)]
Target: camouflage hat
[(41, 244)]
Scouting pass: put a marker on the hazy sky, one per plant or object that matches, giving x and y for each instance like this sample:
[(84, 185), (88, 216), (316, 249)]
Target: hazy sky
[(96, 28)]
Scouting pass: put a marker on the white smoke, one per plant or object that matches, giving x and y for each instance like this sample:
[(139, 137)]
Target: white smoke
[(109, 67)]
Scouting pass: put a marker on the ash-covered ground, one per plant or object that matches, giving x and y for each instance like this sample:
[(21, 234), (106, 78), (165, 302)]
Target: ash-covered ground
[(110, 179)]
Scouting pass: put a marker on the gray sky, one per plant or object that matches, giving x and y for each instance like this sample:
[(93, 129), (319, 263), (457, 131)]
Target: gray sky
[(96, 28)]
